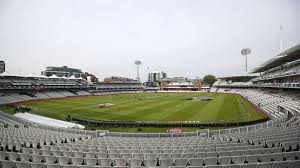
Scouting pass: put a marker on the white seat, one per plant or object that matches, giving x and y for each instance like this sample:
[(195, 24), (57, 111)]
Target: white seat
[(180, 162), (37, 158), (212, 154), (125, 155), (13, 156), (36, 152), (53, 166), (264, 165), (105, 162), (101, 155), (90, 155), (224, 153), (68, 154), (294, 164), (63, 160), (46, 152), (257, 151), (280, 164), (200, 150), (120, 162), (277, 156), (57, 153), (252, 158), (175, 155), (150, 156), (239, 159), (211, 161), (138, 156), (200, 155), (77, 160), (49, 159), (150, 162), (265, 158), (6, 164), (135, 162), (36, 165), (165, 163), (196, 161), (79, 154), (113, 151), (290, 155), (187, 155), (90, 161), (22, 165), (235, 153), (3, 155), (189, 150), (163, 155), (225, 160), (25, 157), (114, 155), (246, 152), (250, 165)]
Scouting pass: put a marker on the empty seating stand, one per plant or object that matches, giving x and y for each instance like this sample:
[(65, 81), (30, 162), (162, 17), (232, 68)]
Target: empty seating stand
[(269, 146), (36, 147)]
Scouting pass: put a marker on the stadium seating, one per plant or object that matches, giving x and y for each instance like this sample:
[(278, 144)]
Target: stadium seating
[(24, 144), (277, 105), (285, 70), (36, 147)]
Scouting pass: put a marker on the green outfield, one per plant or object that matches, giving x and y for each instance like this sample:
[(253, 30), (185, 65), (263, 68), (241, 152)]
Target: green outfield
[(149, 107)]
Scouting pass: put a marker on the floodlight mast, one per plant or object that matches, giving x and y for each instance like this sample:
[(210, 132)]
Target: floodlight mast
[(138, 63), (245, 53), (246, 62)]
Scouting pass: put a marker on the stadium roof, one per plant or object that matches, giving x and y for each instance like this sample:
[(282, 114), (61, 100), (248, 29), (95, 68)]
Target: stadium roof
[(9, 74), (72, 77), (53, 76), (292, 50), (288, 55), (35, 76)]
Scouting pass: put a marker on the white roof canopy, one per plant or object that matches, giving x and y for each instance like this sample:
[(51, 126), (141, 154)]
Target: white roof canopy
[(53, 76), (9, 74)]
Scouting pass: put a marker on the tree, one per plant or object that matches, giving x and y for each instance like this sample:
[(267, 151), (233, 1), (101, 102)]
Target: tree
[(209, 79)]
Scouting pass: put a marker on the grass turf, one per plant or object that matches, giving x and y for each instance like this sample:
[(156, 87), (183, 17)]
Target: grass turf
[(149, 107)]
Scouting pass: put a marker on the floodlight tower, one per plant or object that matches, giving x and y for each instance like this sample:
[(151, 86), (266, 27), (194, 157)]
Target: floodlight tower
[(245, 53), (138, 63)]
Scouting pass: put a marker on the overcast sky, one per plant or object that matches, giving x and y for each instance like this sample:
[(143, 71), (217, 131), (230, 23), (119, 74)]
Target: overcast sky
[(181, 37)]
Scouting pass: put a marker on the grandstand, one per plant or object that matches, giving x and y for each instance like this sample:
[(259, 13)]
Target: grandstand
[(104, 87), (281, 71), (272, 144), (276, 89), (234, 81), (180, 84)]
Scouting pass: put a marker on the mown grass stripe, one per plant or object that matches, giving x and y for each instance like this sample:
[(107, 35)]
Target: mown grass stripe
[(149, 106)]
